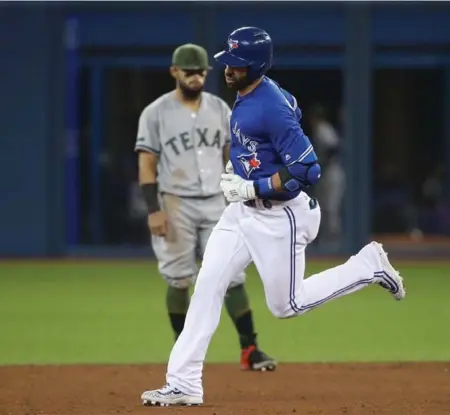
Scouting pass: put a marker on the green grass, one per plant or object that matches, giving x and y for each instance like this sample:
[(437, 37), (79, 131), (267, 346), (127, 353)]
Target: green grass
[(114, 312)]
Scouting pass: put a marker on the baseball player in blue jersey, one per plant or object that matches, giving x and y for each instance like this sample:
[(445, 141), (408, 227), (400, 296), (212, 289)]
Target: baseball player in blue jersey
[(183, 142), (270, 219)]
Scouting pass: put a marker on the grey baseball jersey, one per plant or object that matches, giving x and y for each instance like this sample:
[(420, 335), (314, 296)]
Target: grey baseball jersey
[(189, 145), (190, 149)]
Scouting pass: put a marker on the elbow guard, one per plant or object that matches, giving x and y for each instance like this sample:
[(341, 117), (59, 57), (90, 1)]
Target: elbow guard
[(300, 175)]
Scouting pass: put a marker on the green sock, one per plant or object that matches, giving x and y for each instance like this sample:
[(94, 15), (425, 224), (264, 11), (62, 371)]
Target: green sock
[(238, 307), (177, 301)]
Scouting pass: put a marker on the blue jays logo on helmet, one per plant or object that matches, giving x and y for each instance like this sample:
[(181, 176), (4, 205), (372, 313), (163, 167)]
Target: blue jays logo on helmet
[(233, 44), (248, 47)]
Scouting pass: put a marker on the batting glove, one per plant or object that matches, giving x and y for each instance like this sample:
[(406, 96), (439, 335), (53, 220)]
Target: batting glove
[(236, 189)]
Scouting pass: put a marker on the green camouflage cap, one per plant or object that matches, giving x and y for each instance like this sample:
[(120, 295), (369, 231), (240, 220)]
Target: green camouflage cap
[(190, 56)]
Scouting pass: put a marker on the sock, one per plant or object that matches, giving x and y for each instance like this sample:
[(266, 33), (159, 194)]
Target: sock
[(238, 307), (177, 323), (177, 301), (244, 326)]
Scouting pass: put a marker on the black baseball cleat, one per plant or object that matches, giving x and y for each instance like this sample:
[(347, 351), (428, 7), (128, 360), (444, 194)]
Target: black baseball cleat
[(254, 359)]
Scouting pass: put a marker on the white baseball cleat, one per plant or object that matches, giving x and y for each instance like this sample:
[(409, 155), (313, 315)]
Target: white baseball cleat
[(169, 396), (390, 278)]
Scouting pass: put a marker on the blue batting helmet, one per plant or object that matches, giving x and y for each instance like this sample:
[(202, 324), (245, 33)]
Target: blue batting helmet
[(248, 47)]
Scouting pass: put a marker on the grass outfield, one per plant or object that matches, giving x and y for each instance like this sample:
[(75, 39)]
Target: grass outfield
[(114, 312)]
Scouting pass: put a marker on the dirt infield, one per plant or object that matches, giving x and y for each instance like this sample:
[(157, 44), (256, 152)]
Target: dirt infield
[(303, 389)]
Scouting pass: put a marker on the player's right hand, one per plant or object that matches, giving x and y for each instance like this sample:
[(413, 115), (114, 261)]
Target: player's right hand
[(236, 189), (157, 223)]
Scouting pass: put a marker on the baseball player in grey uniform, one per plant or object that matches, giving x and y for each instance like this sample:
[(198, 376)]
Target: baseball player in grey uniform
[(183, 143)]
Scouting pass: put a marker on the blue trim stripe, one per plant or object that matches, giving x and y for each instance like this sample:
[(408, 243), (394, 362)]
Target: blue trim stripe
[(337, 293), (293, 227), (304, 308), (391, 282)]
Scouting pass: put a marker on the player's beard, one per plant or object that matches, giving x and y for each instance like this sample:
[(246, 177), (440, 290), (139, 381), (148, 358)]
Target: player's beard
[(190, 94), (239, 84)]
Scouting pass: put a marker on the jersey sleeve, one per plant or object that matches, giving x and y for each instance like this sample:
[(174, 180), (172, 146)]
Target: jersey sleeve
[(292, 101), (148, 132), (287, 135)]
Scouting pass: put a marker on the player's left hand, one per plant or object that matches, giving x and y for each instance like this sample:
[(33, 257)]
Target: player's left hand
[(236, 189)]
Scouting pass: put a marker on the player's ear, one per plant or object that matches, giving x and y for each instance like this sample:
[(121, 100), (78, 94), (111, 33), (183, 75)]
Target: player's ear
[(173, 71)]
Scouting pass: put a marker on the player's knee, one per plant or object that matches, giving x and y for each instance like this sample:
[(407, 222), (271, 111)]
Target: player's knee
[(277, 312), (287, 313), (284, 309), (279, 309)]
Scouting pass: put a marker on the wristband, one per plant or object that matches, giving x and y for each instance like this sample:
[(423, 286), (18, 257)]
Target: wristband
[(150, 193), (263, 187)]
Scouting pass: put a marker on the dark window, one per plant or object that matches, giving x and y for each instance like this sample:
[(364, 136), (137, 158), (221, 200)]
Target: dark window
[(408, 149), (113, 216)]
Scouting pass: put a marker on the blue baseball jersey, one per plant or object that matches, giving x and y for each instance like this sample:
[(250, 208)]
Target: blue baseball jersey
[(266, 134)]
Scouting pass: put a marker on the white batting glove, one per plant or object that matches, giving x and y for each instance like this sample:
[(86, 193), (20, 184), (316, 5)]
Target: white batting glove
[(236, 189), (229, 167)]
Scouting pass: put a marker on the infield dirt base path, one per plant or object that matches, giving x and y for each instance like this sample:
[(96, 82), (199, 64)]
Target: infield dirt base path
[(411, 389)]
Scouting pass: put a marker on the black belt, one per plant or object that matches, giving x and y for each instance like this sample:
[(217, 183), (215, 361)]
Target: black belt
[(253, 204), (268, 204)]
